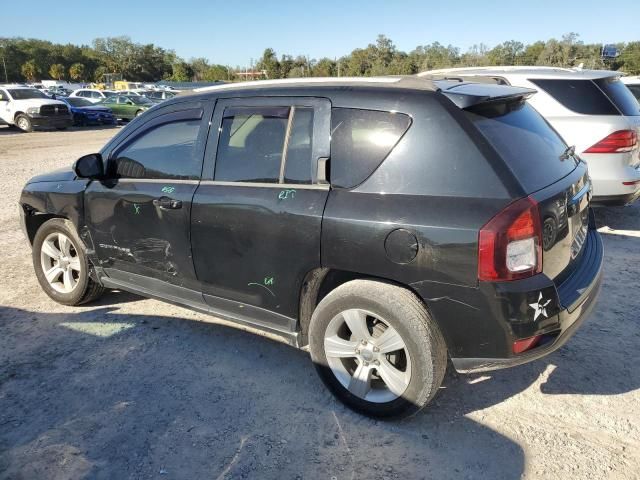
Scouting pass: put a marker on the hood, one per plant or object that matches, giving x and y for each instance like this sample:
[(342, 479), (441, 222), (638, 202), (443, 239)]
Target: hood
[(60, 175), (37, 102)]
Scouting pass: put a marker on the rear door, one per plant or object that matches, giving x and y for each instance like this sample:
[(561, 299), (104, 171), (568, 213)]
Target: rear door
[(257, 215)]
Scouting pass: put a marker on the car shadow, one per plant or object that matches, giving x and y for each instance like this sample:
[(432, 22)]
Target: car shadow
[(98, 394), (95, 393)]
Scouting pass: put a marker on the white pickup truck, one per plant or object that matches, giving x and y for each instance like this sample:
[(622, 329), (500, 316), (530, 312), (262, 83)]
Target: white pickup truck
[(28, 108)]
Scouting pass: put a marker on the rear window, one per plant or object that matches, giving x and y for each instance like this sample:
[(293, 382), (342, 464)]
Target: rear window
[(580, 96), (525, 141), (360, 141), (620, 95)]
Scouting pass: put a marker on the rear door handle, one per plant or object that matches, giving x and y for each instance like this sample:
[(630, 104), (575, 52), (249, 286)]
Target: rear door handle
[(167, 203)]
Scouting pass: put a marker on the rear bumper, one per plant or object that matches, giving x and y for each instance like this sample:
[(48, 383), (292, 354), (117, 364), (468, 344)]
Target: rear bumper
[(576, 297), (616, 200)]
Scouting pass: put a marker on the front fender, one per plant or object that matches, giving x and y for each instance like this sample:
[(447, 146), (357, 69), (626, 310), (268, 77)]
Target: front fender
[(43, 200)]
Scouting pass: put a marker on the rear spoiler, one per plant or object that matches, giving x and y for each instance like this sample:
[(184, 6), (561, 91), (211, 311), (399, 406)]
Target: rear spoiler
[(466, 95)]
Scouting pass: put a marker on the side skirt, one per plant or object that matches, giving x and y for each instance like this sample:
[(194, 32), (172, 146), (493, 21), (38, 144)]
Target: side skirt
[(253, 317)]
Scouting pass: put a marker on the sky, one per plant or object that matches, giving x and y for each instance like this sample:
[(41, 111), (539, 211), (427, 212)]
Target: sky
[(237, 32)]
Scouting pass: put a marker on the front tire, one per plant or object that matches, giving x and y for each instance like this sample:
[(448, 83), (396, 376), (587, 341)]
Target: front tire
[(23, 122), (377, 349), (61, 264)]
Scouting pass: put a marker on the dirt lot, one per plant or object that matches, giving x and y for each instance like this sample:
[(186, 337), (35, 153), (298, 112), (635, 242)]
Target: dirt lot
[(133, 388)]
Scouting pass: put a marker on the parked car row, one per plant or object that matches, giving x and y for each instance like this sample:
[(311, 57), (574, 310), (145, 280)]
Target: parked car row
[(390, 225), (27, 108), (592, 110)]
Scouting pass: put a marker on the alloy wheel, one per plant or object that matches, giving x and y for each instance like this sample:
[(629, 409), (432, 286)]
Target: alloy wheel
[(23, 124), (367, 356), (60, 262)]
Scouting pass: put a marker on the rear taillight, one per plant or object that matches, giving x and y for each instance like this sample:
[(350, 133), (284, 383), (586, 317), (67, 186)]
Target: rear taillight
[(510, 244), (617, 142)]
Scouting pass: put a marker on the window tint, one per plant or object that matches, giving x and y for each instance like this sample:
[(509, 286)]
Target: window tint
[(525, 141), (167, 151), (620, 95), (635, 89), (360, 141), (251, 144), (580, 96), (298, 163)]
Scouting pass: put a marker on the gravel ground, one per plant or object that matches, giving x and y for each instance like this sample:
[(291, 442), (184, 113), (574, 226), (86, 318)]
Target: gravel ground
[(134, 388)]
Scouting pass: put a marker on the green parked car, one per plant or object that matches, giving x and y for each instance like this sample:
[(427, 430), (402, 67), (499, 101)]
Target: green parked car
[(126, 108)]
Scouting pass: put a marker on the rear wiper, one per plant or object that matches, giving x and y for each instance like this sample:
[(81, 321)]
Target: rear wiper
[(568, 152)]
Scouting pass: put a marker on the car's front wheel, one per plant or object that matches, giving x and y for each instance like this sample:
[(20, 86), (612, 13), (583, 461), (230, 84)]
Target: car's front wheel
[(23, 122), (377, 349), (61, 265)]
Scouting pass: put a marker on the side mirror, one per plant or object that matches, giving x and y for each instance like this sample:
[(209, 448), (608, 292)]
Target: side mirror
[(90, 166), (129, 102)]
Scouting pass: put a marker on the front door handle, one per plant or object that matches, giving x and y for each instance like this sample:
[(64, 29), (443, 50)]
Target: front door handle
[(167, 203)]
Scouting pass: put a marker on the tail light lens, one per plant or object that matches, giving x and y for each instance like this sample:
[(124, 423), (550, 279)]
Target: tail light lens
[(510, 244), (617, 142)]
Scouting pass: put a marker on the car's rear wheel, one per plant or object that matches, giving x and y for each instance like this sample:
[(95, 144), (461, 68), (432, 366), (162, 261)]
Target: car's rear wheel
[(377, 349), (23, 122), (61, 265)]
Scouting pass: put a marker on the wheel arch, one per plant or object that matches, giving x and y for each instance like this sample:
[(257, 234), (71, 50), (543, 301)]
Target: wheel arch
[(320, 281), (34, 220)]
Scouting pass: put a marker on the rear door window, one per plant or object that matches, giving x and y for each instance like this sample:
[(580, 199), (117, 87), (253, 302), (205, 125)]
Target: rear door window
[(525, 141), (251, 144), (620, 95), (580, 96), (360, 141)]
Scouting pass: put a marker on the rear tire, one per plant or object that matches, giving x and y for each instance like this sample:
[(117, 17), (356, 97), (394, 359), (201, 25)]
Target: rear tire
[(61, 264), (23, 122), (396, 368)]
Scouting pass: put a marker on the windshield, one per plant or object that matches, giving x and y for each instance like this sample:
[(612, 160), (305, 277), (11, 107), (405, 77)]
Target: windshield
[(25, 93), (525, 141), (79, 102)]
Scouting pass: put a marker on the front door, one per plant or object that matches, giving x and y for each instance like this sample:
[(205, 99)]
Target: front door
[(138, 217), (257, 214)]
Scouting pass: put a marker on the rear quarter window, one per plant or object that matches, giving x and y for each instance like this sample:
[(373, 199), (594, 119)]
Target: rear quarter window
[(525, 141), (360, 141), (620, 95), (635, 90), (580, 96)]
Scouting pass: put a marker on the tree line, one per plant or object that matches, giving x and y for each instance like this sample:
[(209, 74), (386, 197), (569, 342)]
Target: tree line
[(31, 59)]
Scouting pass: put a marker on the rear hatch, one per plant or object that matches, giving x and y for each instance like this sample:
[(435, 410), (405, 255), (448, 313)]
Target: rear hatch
[(548, 172)]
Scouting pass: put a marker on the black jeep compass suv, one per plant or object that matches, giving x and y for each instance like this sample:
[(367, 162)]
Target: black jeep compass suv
[(389, 224)]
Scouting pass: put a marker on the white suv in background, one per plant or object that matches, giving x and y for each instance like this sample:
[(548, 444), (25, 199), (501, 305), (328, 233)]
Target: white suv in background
[(93, 94), (592, 109)]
